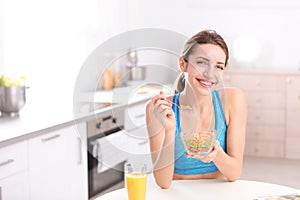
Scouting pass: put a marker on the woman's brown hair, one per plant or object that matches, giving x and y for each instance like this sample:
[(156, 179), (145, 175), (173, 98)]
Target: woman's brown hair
[(203, 37)]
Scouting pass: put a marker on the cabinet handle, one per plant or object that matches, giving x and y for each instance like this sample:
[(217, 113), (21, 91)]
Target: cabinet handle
[(140, 115), (79, 162), (6, 162), (0, 193), (144, 142), (258, 100), (50, 138)]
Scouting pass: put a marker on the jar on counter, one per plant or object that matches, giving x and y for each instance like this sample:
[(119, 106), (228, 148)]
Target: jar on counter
[(107, 79)]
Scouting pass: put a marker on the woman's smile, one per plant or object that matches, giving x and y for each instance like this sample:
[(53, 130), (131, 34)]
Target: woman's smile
[(205, 83)]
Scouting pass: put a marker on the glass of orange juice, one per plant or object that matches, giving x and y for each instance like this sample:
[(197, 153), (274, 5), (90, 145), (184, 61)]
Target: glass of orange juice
[(135, 180)]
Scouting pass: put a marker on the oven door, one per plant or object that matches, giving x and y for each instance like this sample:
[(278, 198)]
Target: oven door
[(106, 159)]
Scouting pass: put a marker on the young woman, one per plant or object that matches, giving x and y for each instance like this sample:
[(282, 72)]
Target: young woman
[(202, 64)]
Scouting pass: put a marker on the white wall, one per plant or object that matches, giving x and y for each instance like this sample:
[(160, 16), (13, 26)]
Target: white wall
[(48, 41), (275, 24)]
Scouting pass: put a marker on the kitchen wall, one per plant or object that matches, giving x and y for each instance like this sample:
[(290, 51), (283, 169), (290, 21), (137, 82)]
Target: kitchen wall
[(48, 41)]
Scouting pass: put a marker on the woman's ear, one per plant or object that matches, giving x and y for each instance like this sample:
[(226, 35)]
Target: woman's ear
[(182, 64)]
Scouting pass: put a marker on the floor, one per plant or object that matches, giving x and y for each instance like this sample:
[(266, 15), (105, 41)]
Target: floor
[(279, 171)]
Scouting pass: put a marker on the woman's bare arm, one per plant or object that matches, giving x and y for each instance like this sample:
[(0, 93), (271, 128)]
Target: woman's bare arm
[(230, 164), (161, 129)]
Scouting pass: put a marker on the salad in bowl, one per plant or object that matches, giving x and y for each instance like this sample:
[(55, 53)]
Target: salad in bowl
[(200, 142)]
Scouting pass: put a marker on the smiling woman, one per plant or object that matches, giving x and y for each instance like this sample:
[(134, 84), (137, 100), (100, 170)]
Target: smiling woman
[(204, 59)]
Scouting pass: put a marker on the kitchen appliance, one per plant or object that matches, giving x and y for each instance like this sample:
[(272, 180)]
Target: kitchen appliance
[(12, 99), (136, 72), (106, 151)]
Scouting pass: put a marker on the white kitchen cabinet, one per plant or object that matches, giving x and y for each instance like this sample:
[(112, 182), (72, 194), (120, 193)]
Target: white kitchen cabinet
[(136, 130), (135, 116), (139, 147), (57, 166), (77, 155), (48, 166), (15, 187), (273, 111), (14, 172), (266, 111), (292, 117)]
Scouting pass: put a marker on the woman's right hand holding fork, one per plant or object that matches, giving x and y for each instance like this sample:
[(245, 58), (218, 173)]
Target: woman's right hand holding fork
[(161, 113)]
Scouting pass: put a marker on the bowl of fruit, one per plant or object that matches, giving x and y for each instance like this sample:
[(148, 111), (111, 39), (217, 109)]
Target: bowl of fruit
[(12, 95), (198, 142)]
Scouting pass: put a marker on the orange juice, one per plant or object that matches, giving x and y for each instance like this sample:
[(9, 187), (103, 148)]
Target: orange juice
[(136, 186)]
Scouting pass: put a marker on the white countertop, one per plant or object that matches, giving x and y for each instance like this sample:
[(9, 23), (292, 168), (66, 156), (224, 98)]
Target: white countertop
[(208, 189), (38, 117), (35, 116)]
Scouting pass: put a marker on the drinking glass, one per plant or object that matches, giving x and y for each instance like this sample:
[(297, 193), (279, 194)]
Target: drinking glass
[(135, 180)]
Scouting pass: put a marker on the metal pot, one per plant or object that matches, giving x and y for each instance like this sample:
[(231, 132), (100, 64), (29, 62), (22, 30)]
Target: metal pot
[(137, 73), (12, 99)]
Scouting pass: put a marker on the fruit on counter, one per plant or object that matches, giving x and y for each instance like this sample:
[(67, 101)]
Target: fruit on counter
[(6, 81)]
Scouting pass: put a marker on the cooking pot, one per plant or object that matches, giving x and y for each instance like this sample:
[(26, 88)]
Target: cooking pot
[(12, 99), (137, 73)]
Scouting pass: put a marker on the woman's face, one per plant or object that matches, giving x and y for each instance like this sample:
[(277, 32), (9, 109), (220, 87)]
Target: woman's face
[(205, 67)]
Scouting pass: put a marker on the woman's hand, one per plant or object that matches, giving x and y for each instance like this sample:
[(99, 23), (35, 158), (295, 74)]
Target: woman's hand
[(161, 112), (209, 157)]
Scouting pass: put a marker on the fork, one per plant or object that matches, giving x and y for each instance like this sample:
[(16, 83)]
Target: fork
[(181, 107)]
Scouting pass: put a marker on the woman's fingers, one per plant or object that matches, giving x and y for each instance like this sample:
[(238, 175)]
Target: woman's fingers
[(204, 158), (161, 95)]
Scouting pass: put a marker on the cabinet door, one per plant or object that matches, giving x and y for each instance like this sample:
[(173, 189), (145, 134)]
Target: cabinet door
[(15, 187), (292, 117), (135, 116), (48, 166), (139, 147), (293, 92), (14, 171), (77, 154)]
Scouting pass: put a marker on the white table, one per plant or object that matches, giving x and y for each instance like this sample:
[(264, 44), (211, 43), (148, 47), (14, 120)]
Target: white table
[(208, 190)]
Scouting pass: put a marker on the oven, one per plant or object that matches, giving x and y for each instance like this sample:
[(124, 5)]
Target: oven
[(106, 151)]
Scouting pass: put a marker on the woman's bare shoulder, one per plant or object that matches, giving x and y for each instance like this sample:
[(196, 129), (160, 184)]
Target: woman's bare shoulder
[(231, 94), (233, 101)]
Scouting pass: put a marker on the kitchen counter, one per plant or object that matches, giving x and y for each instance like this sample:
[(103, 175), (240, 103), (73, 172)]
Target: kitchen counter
[(36, 118)]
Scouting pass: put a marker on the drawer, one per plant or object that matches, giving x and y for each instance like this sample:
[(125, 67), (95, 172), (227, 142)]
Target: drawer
[(266, 116), (135, 116), (293, 92), (138, 141), (13, 158), (257, 99), (265, 133), (258, 82), (293, 147), (292, 123), (264, 149)]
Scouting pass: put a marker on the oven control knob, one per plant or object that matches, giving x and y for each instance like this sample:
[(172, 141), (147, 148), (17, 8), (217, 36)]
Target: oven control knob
[(98, 125), (114, 120)]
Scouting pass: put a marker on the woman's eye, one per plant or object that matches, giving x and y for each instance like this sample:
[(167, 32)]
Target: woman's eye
[(202, 63), (220, 67)]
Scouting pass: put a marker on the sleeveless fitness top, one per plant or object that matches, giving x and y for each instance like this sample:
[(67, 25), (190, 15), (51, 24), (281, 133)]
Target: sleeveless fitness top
[(184, 165)]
